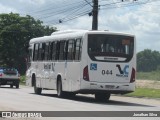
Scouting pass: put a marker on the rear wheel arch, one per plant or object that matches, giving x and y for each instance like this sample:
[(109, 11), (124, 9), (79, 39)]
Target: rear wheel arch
[(60, 91), (37, 90), (33, 79), (17, 86), (59, 78)]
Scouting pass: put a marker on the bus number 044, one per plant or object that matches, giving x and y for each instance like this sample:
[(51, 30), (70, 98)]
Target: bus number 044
[(107, 72)]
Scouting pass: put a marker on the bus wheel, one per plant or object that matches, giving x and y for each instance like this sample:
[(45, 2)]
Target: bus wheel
[(102, 96), (17, 86), (36, 89), (11, 86), (60, 92)]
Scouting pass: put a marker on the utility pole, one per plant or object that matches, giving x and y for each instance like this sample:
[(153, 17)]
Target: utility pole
[(95, 15)]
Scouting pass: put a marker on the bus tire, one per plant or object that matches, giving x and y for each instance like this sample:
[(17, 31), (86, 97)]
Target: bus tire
[(36, 89), (11, 86), (60, 92), (17, 86), (102, 96)]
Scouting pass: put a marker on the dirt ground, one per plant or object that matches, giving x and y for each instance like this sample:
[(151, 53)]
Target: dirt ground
[(148, 84)]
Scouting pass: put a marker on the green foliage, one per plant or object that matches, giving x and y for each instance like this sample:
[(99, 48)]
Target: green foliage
[(23, 80), (154, 75), (15, 33), (148, 61), (145, 92)]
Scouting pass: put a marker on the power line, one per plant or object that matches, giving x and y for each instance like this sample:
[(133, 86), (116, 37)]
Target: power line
[(51, 14), (71, 18), (75, 11), (76, 15), (127, 5), (55, 7), (88, 3), (72, 15), (79, 15), (110, 3)]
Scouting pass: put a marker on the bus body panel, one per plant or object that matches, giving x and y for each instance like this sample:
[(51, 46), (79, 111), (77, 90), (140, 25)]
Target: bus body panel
[(107, 76), (73, 75), (109, 72), (112, 77)]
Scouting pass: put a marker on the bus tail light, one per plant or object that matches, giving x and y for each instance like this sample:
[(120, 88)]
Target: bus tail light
[(85, 73), (0, 74), (133, 76)]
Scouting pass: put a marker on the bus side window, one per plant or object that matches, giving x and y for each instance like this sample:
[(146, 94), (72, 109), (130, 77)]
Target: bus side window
[(43, 50), (29, 57), (78, 49), (46, 51), (35, 54), (53, 51), (62, 50), (40, 52), (57, 50), (70, 55), (49, 51)]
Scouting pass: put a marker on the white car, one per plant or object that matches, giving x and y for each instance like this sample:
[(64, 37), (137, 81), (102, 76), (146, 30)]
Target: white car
[(9, 76)]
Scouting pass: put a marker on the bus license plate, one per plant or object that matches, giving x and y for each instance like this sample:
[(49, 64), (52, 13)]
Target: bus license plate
[(109, 86)]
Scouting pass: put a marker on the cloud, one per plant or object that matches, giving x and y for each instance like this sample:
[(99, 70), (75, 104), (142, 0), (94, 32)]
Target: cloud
[(142, 21), (80, 23), (34, 2), (6, 9)]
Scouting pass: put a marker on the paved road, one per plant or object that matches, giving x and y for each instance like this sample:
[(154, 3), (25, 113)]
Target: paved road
[(24, 99)]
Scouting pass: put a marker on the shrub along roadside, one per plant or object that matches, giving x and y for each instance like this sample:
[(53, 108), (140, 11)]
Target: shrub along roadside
[(23, 80), (154, 75), (145, 92)]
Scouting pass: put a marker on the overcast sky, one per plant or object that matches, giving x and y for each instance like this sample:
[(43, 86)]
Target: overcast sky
[(140, 18)]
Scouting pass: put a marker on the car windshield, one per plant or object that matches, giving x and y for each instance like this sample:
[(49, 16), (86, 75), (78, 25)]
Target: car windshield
[(8, 69)]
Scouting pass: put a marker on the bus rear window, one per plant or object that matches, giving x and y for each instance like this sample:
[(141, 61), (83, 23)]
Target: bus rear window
[(111, 48)]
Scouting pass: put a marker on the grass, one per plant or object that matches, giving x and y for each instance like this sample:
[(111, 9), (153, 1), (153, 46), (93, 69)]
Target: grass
[(145, 92), (154, 75), (23, 80)]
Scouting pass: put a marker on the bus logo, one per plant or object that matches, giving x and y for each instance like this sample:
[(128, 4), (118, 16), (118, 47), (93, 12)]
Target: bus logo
[(93, 66), (123, 72)]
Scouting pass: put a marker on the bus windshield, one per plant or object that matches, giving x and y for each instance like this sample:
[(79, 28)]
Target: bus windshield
[(102, 47)]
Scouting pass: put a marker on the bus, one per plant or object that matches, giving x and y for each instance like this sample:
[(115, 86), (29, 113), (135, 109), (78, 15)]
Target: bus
[(82, 61)]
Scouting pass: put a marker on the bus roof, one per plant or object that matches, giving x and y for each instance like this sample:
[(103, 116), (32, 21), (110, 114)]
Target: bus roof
[(70, 34)]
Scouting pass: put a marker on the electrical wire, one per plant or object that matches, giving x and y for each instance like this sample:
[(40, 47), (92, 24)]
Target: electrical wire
[(76, 12), (69, 19), (55, 7), (88, 3), (126, 5), (52, 14)]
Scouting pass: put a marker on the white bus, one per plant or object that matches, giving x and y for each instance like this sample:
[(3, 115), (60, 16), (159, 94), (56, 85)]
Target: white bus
[(88, 62)]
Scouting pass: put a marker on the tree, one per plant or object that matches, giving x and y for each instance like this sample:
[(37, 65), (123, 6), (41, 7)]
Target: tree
[(148, 60), (15, 33)]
